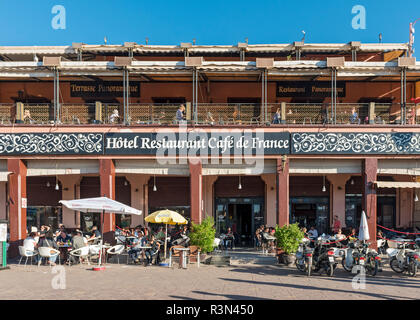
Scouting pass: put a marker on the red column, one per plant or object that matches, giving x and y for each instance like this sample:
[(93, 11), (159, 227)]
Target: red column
[(17, 214), (196, 189), (282, 191), (369, 175), (107, 177)]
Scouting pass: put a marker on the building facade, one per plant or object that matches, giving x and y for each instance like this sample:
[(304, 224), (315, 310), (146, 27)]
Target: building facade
[(273, 134)]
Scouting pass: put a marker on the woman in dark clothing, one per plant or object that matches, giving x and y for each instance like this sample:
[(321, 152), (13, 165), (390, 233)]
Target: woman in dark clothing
[(48, 241)]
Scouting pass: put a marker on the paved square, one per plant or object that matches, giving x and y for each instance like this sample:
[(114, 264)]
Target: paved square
[(238, 281)]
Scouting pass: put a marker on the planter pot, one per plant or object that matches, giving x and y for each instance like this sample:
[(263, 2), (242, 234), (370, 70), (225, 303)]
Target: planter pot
[(289, 259), (280, 256)]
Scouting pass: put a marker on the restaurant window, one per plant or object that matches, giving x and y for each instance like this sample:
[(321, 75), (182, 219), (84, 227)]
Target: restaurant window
[(37, 216), (89, 188)]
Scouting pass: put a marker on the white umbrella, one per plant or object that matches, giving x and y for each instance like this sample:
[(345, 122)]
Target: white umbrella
[(363, 228), (100, 205)]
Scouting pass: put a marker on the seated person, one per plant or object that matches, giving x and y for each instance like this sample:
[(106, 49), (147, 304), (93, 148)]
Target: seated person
[(114, 117), (154, 251), (210, 118), (48, 241), (353, 235), (339, 235), (30, 244), (229, 238), (96, 235), (313, 233), (77, 242), (63, 237)]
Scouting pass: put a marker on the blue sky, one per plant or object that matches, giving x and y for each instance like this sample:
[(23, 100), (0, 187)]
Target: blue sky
[(209, 22)]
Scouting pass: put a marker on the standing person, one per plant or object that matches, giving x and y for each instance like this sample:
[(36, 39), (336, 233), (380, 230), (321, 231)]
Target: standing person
[(276, 117), (336, 224), (180, 113), (114, 117)]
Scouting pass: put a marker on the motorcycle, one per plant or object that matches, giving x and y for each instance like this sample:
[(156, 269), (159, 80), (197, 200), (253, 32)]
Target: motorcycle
[(304, 257), (323, 257), (359, 255), (405, 259)]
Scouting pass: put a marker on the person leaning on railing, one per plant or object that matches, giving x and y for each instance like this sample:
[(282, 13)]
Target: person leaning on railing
[(27, 117), (276, 117)]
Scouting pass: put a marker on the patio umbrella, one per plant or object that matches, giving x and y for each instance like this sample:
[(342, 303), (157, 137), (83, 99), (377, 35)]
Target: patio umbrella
[(363, 228), (100, 205), (166, 217)]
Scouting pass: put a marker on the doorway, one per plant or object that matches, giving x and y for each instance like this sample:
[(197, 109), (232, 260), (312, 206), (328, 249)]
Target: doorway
[(242, 215), (310, 211)]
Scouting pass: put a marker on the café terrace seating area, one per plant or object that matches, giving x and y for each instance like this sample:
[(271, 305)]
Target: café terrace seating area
[(212, 114)]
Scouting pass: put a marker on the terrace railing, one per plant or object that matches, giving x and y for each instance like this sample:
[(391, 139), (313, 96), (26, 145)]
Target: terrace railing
[(221, 114)]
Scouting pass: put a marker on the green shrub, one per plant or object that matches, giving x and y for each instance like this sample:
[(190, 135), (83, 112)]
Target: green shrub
[(203, 234), (289, 237)]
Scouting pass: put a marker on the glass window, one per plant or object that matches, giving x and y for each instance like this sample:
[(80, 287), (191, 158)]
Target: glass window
[(36, 216)]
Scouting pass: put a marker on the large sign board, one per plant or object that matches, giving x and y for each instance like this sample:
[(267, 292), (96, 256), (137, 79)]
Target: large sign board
[(196, 143)]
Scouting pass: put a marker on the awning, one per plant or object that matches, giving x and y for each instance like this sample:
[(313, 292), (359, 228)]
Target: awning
[(396, 184)]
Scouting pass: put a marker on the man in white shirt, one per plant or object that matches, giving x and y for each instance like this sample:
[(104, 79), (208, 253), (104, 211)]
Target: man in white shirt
[(313, 233), (30, 244)]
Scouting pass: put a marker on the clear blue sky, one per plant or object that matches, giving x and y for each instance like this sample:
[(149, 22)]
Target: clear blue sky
[(210, 22)]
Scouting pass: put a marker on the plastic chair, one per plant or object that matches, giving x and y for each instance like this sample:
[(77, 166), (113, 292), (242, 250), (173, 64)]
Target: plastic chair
[(94, 250), (80, 253), (116, 250), (24, 253), (45, 252)]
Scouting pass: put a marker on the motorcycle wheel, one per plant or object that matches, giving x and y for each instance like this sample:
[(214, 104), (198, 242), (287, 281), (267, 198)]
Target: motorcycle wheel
[(330, 270), (394, 265), (300, 267), (412, 269), (343, 262)]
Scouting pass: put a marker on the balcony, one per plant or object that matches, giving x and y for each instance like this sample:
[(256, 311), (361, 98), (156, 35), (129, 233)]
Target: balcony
[(213, 114)]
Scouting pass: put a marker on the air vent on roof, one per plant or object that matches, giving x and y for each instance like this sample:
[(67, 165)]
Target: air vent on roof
[(335, 62), (265, 62), (122, 61), (193, 61), (406, 61), (51, 61)]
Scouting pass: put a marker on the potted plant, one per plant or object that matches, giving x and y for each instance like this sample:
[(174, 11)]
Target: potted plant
[(202, 235), (288, 240)]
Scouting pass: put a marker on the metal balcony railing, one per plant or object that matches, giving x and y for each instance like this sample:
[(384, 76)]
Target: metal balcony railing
[(222, 114)]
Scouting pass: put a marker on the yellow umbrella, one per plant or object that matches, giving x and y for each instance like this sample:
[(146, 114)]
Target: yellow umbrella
[(166, 217)]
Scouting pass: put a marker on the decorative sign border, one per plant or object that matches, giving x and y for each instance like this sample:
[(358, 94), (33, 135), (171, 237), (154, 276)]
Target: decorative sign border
[(355, 143), (269, 143), (51, 143)]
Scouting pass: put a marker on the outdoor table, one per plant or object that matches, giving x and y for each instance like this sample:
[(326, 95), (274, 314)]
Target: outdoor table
[(183, 263), (64, 252)]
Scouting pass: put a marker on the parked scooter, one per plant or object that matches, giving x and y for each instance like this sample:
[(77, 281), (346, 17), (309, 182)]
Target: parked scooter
[(359, 255), (405, 259), (304, 257), (323, 257)]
